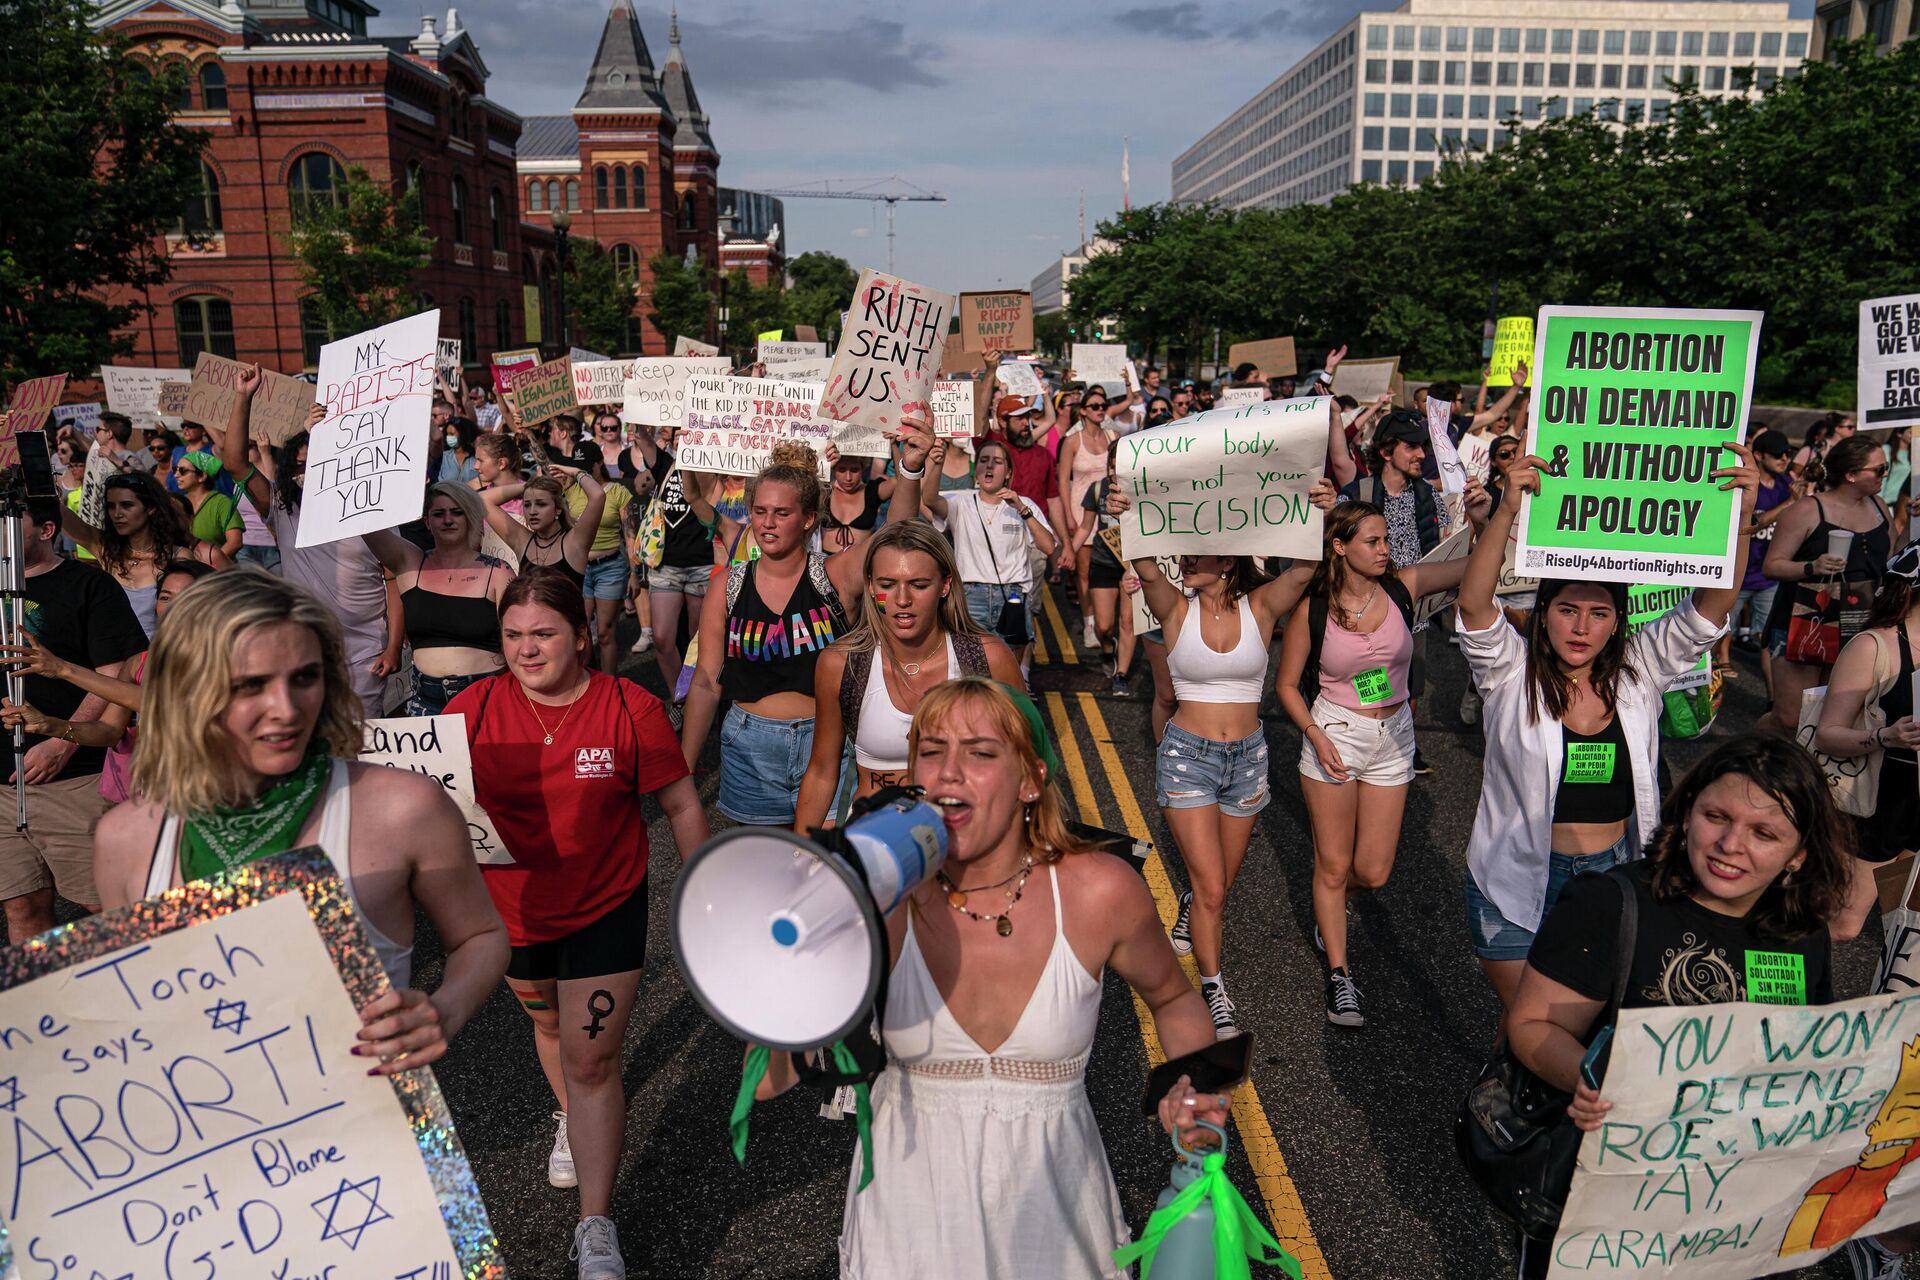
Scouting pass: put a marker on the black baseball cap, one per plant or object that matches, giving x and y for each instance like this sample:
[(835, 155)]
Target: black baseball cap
[(1401, 426), (1771, 443)]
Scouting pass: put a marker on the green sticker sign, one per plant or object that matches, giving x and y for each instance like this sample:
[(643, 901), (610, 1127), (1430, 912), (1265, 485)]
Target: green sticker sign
[(1373, 686), (1644, 604), (1776, 977), (1630, 409), (1589, 762)]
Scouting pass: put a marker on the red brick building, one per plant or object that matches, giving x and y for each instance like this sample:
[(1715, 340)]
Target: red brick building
[(291, 93)]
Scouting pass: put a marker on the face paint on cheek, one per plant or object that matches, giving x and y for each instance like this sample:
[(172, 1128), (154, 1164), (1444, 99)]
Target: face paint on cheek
[(880, 603)]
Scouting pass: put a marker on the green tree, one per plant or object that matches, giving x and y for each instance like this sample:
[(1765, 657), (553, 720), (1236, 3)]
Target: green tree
[(752, 309), (682, 296), (100, 169), (599, 299), (358, 255), (1050, 333), (819, 289)]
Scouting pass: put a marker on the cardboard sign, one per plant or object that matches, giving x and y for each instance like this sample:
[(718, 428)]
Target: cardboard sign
[(201, 1041), (367, 461), (1143, 619), (774, 351), (599, 381), (806, 333), (655, 390), (172, 401), (446, 360), (996, 321), (1630, 409), (1455, 546), (1230, 396), (1365, 380), (732, 424), (33, 400), (1512, 343), (1274, 356), (9, 447), (955, 358), (1889, 386), (953, 410), (814, 370), (1100, 362), (685, 346), (280, 408), (136, 392), (543, 391), (507, 363), (214, 390), (1226, 482), (1018, 379), (889, 356), (436, 746), (1746, 1138)]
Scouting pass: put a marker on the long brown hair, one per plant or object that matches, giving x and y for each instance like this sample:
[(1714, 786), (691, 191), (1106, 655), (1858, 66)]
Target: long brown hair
[(1330, 575), (167, 532), (1548, 688), (909, 536)]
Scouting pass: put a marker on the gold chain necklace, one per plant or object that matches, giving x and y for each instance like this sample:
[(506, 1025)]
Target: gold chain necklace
[(543, 724)]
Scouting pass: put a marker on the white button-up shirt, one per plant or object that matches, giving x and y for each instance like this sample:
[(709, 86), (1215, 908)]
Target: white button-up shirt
[(1512, 840)]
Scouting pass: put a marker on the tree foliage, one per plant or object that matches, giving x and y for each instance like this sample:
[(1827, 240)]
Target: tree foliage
[(819, 290), (599, 299), (682, 294), (358, 256), (752, 309), (1798, 202), (99, 171)]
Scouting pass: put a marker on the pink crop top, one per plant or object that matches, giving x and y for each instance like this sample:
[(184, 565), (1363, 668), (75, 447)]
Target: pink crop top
[(1366, 670)]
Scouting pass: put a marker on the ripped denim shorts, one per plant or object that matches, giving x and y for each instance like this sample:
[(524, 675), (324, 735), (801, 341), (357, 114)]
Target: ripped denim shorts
[(1192, 772)]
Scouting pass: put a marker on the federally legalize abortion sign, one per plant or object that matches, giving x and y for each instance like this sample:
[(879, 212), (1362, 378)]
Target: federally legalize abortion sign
[(1631, 408)]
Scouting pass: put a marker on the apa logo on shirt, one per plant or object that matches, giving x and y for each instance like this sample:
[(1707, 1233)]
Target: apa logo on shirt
[(593, 762)]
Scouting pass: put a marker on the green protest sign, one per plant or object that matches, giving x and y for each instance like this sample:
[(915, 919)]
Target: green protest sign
[(1631, 408), (1645, 603)]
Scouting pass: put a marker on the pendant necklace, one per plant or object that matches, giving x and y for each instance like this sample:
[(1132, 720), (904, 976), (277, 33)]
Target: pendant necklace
[(548, 739), (1002, 924)]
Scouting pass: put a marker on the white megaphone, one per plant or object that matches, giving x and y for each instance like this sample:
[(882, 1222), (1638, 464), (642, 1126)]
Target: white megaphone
[(783, 938)]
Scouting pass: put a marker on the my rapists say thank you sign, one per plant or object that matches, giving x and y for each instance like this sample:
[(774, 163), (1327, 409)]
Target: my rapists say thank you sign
[(367, 460)]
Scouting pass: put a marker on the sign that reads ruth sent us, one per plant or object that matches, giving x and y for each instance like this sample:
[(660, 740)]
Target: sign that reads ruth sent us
[(1631, 410), (1226, 482)]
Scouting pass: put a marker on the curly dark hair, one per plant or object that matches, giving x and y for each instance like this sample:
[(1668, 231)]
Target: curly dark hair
[(164, 526), (1798, 903), (286, 467)]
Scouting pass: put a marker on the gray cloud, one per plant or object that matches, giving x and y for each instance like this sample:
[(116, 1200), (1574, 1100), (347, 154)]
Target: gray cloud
[(1172, 21), (750, 59)]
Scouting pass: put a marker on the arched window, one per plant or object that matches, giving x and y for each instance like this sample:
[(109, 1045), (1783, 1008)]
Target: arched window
[(536, 196), (313, 332), (469, 332), (315, 180), (687, 210), (213, 87), (497, 217), (459, 122), (202, 213), (619, 187), (553, 193), (502, 325), (626, 262), (639, 186), (183, 90), (413, 177), (203, 323), (600, 200), (573, 196), (460, 212)]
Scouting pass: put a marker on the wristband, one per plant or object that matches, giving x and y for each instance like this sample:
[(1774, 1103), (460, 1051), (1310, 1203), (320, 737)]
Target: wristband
[(904, 474)]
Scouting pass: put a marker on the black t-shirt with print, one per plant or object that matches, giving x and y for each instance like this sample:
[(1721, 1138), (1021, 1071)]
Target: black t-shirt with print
[(688, 544), (80, 614), (1683, 953)]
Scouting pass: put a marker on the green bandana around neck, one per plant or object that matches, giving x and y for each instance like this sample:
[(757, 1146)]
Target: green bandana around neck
[(229, 838)]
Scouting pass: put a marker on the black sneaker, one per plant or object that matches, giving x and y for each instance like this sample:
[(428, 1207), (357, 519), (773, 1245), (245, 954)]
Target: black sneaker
[(1122, 684), (1181, 935), (1221, 1007), (1420, 766), (1343, 1001)]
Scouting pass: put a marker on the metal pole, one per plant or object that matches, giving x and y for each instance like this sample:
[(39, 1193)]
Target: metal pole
[(893, 203), (13, 586)]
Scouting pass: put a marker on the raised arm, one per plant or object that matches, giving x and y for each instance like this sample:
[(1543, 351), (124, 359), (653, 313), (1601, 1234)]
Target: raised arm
[(1505, 402), (580, 537), (504, 526), (910, 469), (1340, 468), (1440, 575), (231, 445), (1716, 603), (1476, 602), (393, 551), (83, 534), (1281, 594)]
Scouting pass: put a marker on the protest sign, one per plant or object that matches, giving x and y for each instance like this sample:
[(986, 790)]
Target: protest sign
[(774, 351), (655, 391), (1453, 472), (806, 333), (1510, 582), (889, 354), (82, 417), (814, 370), (1512, 343), (507, 363), (732, 424), (1226, 482), (997, 321), (542, 391), (201, 1041), (136, 392), (1455, 546), (1631, 408), (436, 747), (33, 400), (1365, 380), (1143, 619), (9, 447), (93, 485), (771, 335), (1100, 362), (580, 355), (1274, 356), (367, 462), (1889, 387), (214, 390), (1645, 602), (600, 381), (955, 358), (1017, 378), (1230, 396), (1746, 1139), (685, 346), (953, 409), (173, 398), (446, 360), (279, 409)]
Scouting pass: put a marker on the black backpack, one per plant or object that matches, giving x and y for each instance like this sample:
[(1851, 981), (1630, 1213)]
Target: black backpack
[(1317, 631)]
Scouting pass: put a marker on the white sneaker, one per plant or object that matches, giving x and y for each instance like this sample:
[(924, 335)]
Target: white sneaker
[(1089, 636), (597, 1247), (560, 1172), (645, 642)]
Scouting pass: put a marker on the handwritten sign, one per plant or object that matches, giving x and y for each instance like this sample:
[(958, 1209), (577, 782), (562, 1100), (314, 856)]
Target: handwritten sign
[(814, 370), (1512, 344), (1365, 380), (1889, 385), (953, 410), (206, 1061), (774, 351), (34, 399), (82, 417), (1103, 362), (1230, 396), (655, 389), (1273, 356), (93, 485), (1143, 619), (173, 399), (506, 363), (136, 392), (1017, 378), (685, 346), (446, 360), (280, 407), (213, 390), (436, 746), (1002, 321), (1645, 603), (367, 461), (1455, 546), (733, 423), (1750, 1138), (9, 447), (600, 381), (889, 354), (1453, 472), (542, 391), (1226, 482)]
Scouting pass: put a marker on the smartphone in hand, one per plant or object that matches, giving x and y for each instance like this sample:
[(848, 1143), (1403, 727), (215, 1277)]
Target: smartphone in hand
[(1212, 1069)]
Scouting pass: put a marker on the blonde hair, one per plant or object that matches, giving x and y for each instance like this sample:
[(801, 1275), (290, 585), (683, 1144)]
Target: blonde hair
[(470, 506), (797, 466), (548, 485), (1047, 829), (909, 536), (184, 759)]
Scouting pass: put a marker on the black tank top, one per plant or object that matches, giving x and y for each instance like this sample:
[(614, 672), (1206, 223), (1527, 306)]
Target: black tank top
[(768, 652), (1897, 702), (1866, 558), (1596, 776)]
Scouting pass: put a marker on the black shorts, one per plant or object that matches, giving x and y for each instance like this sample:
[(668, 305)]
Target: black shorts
[(615, 943), (1105, 574)]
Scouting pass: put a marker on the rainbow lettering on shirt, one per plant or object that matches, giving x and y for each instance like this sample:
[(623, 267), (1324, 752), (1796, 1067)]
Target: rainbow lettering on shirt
[(808, 632)]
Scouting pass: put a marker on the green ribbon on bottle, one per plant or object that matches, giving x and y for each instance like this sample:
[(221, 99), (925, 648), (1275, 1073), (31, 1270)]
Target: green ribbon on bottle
[(1237, 1233), (754, 1070)]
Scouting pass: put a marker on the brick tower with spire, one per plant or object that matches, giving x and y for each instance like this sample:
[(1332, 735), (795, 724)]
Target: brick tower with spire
[(696, 160)]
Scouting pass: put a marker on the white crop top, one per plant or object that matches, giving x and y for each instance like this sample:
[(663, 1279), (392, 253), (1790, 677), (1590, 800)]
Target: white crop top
[(880, 739), (1203, 674)]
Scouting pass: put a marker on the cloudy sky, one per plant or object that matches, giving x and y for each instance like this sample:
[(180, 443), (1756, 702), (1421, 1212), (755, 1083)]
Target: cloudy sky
[(1011, 110)]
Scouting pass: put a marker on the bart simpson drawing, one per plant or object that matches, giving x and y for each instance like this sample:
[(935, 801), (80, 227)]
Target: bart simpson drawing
[(1843, 1202)]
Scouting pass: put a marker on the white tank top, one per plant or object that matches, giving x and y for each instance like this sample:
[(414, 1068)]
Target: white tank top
[(336, 822), (1203, 674), (880, 739)]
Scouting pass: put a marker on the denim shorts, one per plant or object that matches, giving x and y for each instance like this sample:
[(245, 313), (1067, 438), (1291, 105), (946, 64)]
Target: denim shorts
[(1762, 601), (690, 581), (606, 578), (431, 694), (761, 764), (1497, 938), (985, 600), (1192, 772), (267, 557)]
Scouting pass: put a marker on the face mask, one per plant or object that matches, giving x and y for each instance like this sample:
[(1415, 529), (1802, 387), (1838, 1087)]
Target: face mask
[(453, 439)]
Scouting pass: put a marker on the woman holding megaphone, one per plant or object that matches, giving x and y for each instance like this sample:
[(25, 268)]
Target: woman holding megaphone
[(986, 1157)]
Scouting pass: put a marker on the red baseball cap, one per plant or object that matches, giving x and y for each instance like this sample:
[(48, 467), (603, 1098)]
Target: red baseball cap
[(1012, 406)]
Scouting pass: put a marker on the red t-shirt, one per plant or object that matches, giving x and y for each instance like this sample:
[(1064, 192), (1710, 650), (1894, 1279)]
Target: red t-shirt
[(569, 813)]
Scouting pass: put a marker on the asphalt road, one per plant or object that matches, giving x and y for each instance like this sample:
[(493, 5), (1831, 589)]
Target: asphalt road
[(1359, 1176)]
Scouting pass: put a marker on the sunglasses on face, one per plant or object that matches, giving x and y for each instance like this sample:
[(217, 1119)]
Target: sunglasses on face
[(1094, 404)]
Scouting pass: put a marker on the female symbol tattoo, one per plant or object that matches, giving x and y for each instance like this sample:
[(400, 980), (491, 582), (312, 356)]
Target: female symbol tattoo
[(600, 1005)]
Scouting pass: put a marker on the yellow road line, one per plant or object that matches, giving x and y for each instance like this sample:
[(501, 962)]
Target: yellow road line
[(1285, 1209), (1062, 638), (1070, 760)]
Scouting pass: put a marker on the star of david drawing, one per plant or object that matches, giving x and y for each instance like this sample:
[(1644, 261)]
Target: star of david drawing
[(229, 1015), (10, 1095), (346, 1214)]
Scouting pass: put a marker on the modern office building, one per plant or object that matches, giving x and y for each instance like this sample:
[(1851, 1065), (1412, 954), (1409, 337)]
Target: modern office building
[(1388, 94), (1889, 22)]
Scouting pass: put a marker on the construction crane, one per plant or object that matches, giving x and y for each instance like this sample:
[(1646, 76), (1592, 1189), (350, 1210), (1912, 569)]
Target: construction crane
[(892, 199)]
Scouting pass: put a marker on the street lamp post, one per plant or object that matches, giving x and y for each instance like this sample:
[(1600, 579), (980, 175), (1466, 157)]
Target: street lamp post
[(562, 252)]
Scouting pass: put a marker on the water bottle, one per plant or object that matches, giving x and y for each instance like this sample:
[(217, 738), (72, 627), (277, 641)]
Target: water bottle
[(1186, 1251)]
